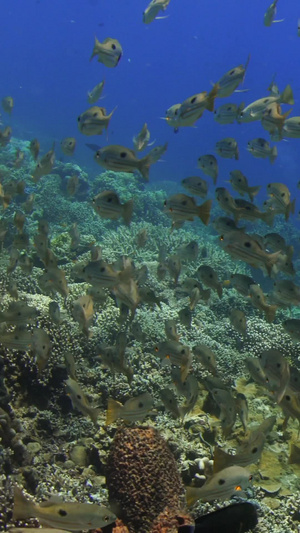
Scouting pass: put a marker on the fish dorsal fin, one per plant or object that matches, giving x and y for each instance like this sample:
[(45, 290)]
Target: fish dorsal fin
[(53, 500)]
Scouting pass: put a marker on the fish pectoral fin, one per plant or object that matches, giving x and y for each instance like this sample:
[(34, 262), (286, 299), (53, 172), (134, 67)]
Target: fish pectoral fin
[(113, 411)]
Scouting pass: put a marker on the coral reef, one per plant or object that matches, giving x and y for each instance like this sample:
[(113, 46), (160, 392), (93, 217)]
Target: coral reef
[(143, 481)]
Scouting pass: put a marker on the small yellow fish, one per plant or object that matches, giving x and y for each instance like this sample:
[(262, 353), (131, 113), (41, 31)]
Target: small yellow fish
[(260, 148), (239, 183), (94, 120), (254, 111), (180, 207), (155, 154), (206, 357), (259, 301), (5, 136), (244, 247), (231, 80), (238, 321), (141, 140), (153, 9), (134, 409), (82, 312), (280, 197), (41, 347), (8, 104), (34, 148), (95, 93), (107, 205), (121, 159), (209, 165), (291, 128), (73, 516), (68, 145), (109, 52), (231, 481), (44, 166), (272, 120), (80, 402), (270, 14), (195, 185), (228, 113), (228, 148), (209, 277)]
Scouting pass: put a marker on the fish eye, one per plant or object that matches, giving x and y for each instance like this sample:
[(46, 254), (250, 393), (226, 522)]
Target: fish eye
[(113, 46), (221, 481), (247, 244), (123, 154), (79, 118), (106, 518), (193, 100), (141, 405), (102, 269), (62, 512)]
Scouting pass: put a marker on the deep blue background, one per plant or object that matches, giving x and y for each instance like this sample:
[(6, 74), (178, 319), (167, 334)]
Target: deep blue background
[(45, 49)]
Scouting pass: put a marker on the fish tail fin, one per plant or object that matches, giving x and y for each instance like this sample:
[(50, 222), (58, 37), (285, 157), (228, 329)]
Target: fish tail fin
[(268, 217), (113, 411), (271, 265), (23, 508), (206, 295), (95, 49), (239, 110), (270, 313), (127, 211), (273, 154), (211, 98), (183, 411), (128, 373), (192, 495), (94, 414), (220, 290), (292, 206), (144, 168), (204, 211), (287, 96), (221, 460), (109, 116), (253, 191), (290, 252), (282, 120)]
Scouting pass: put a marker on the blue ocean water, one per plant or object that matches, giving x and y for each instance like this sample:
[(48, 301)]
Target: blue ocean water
[(45, 51)]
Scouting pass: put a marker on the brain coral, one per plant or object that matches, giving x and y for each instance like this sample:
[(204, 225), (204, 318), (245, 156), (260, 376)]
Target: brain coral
[(144, 483)]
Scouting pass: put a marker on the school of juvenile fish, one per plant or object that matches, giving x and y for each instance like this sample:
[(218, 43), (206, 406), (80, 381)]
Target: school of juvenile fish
[(191, 281)]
